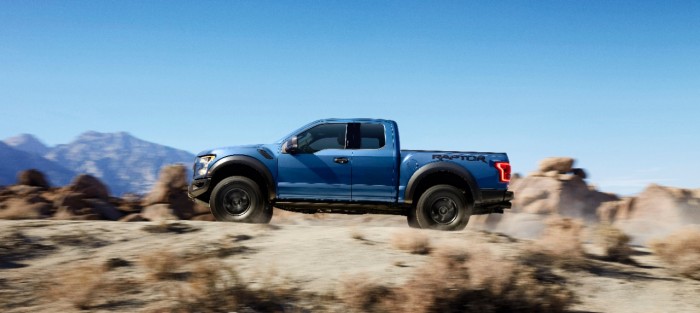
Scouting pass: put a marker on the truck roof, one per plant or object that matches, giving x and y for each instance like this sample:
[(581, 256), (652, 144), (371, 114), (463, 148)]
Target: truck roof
[(350, 120)]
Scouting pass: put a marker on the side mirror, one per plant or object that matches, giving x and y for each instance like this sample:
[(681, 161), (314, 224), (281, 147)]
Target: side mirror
[(291, 146)]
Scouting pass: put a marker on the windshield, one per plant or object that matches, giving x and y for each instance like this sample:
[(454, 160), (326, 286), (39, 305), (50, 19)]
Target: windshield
[(296, 131)]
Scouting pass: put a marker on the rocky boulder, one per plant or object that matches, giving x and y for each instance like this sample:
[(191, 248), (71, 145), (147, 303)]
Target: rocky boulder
[(64, 213), (20, 191), (655, 212), (89, 186), (171, 189), (133, 217), (208, 217), (557, 164), (75, 205), (27, 208), (558, 188), (104, 209), (159, 212), (32, 177)]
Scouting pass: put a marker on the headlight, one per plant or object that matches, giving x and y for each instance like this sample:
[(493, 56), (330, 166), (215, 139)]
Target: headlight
[(201, 165)]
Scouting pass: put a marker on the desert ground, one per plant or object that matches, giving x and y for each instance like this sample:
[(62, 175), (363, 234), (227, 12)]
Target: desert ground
[(308, 263)]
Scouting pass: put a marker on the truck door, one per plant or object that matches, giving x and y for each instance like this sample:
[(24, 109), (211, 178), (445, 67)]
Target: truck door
[(320, 169), (374, 172)]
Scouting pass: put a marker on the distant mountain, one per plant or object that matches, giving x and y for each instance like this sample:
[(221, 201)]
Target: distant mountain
[(14, 160), (27, 143), (124, 162)]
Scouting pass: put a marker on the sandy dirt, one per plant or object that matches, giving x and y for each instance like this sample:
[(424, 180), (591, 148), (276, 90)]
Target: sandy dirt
[(312, 253)]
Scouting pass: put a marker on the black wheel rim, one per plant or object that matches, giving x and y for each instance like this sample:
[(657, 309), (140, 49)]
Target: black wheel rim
[(443, 211), (236, 201)]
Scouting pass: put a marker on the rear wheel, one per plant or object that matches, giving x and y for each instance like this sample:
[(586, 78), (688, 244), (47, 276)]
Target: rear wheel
[(239, 199), (443, 207)]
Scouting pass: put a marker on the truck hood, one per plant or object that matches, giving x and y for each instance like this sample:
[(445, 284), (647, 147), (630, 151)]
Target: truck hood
[(229, 150)]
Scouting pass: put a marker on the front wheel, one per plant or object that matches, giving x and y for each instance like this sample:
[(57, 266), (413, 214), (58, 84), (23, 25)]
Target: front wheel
[(443, 207), (239, 199)]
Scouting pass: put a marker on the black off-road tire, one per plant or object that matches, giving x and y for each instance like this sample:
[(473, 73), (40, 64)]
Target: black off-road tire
[(411, 218), (266, 217), (443, 207), (239, 199)]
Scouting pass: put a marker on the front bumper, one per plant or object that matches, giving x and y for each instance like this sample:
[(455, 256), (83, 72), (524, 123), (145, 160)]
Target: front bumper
[(198, 187)]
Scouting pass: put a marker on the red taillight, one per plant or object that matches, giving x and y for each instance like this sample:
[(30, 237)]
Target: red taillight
[(504, 171)]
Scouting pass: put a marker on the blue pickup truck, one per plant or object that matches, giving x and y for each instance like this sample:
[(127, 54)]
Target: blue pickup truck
[(352, 166)]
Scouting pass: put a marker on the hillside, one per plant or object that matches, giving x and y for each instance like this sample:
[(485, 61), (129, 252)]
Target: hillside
[(27, 143), (14, 160), (125, 163)]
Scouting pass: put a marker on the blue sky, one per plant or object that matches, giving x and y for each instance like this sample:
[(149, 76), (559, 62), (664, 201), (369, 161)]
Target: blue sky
[(615, 84)]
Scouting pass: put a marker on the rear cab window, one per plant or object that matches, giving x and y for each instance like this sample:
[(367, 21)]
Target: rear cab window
[(371, 136), (366, 136)]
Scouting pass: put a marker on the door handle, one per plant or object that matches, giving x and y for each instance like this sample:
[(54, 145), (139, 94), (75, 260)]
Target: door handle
[(340, 160)]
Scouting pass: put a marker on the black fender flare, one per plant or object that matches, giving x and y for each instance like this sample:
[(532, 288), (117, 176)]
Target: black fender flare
[(250, 162), (436, 167)]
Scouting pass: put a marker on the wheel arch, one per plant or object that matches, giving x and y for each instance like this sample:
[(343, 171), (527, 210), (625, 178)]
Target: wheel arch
[(441, 173), (241, 165)]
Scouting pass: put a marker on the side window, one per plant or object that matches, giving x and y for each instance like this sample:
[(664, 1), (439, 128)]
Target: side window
[(322, 137), (371, 136)]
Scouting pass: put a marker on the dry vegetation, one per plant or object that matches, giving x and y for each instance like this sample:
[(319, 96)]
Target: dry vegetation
[(614, 242), (411, 240), (560, 245), (457, 280), (357, 234), (162, 265), (16, 246), (88, 286), (205, 285), (213, 286), (234, 269), (454, 279), (681, 251)]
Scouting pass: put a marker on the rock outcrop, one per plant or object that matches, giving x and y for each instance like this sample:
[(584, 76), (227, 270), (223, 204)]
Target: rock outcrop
[(557, 164), (558, 188), (88, 198), (32, 177), (655, 212), (25, 208), (89, 186), (170, 190)]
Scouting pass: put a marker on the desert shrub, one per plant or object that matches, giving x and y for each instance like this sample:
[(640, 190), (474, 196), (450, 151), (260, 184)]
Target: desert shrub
[(614, 242), (113, 263), (363, 294), (79, 285), (79, 238), (213, 286), (16, 246), (462, 280), (170, 227), (681, 251), (357, 234), (88, 286), (475, 280), (162, 265), (411, 240), (559, 245)]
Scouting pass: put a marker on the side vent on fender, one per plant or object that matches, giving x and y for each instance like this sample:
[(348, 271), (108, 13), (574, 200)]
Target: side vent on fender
[(265, 154)]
